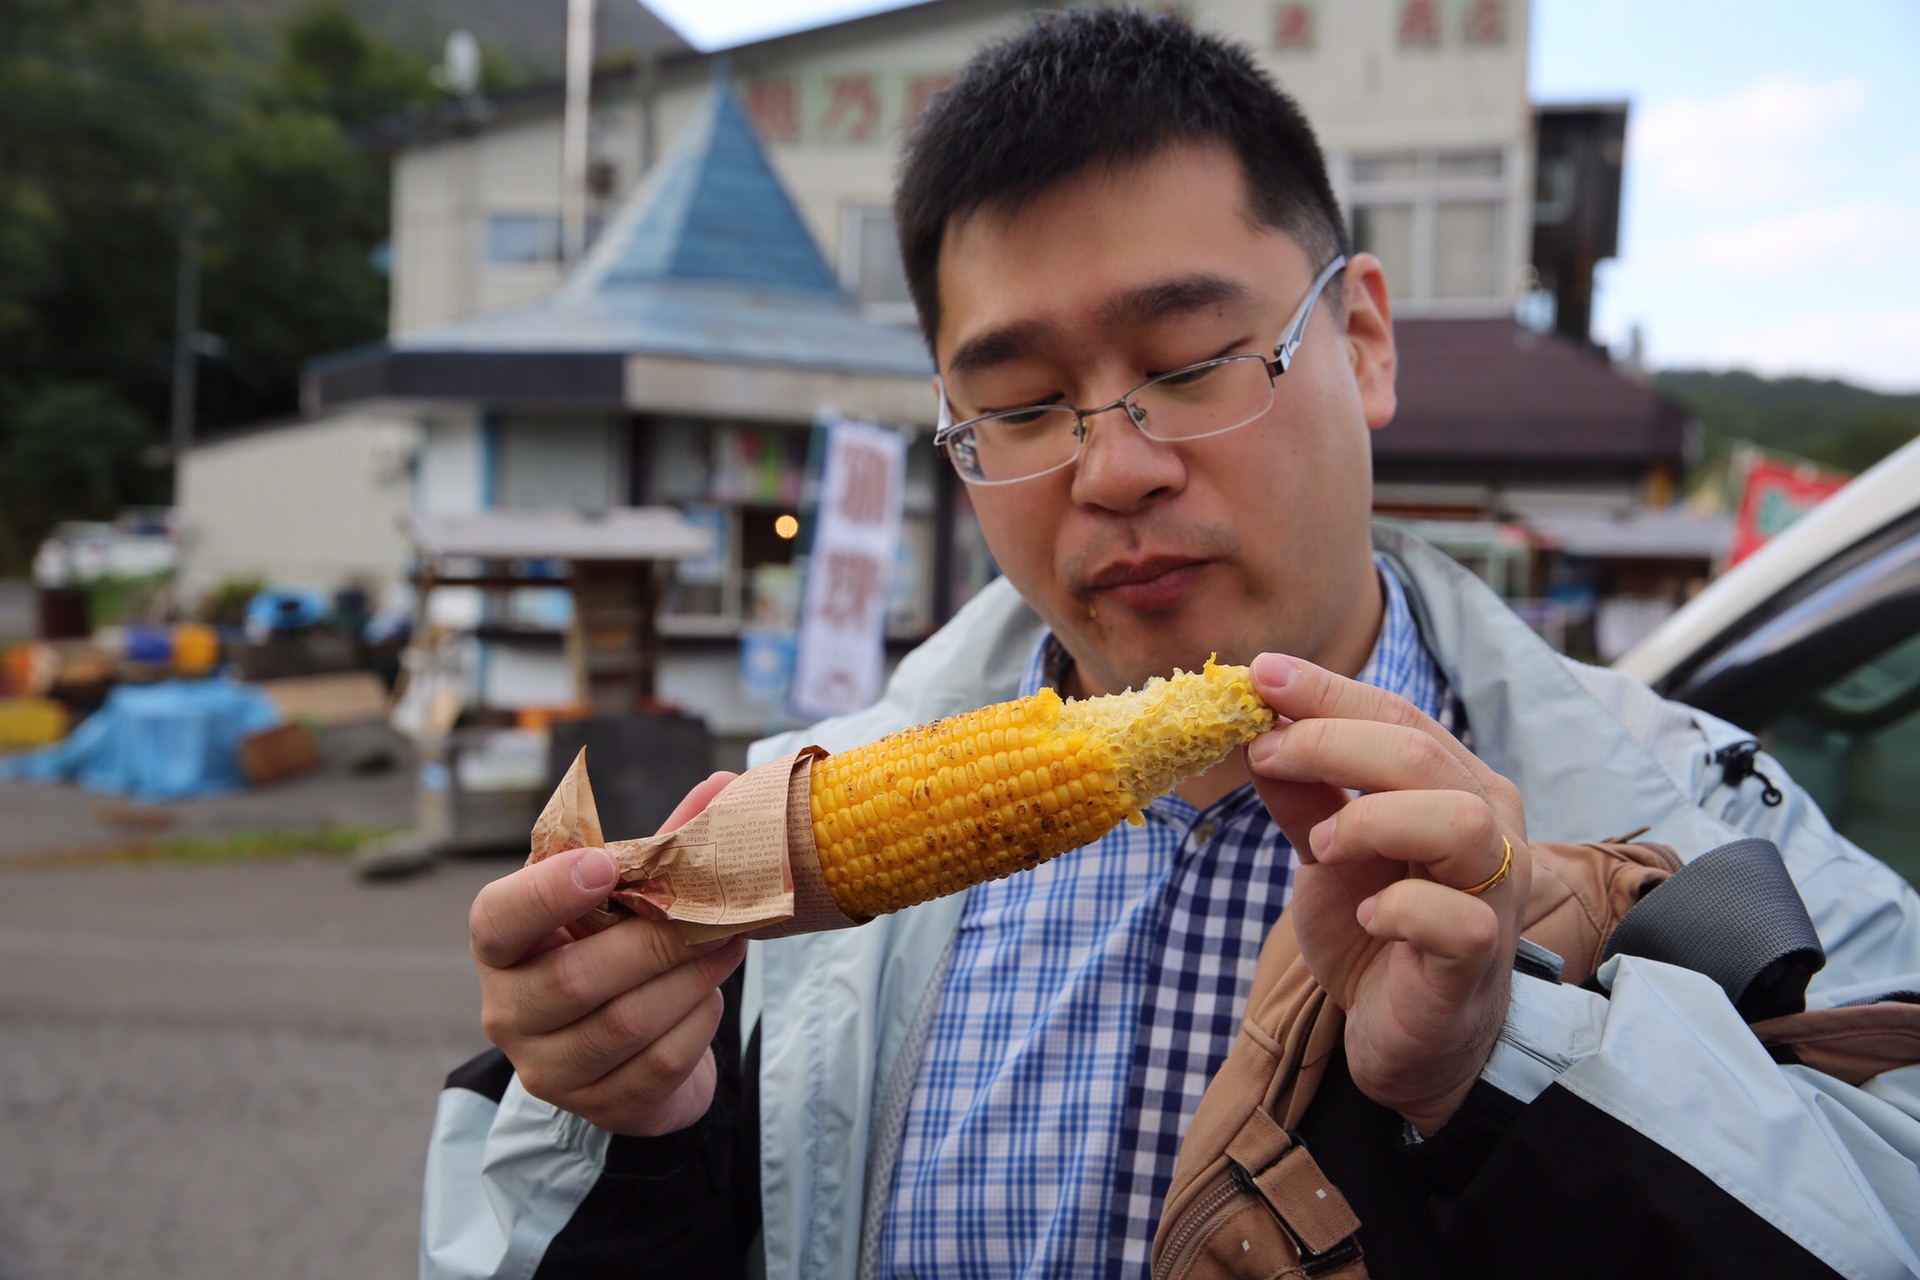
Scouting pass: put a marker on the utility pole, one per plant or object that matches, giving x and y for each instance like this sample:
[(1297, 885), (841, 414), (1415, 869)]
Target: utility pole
[(573, 130), (186, 340)]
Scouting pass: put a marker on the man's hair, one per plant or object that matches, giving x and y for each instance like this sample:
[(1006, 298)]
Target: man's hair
[(1102, 86)]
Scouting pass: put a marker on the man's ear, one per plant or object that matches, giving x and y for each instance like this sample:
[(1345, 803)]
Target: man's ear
[(1369, 319)]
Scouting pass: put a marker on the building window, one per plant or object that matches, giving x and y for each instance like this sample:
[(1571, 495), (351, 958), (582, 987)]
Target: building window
[(870, 264), (515, 239), (743, 484), (1466, 249), (1386, 231), (578, 464), (530, 239), (1438, 221)]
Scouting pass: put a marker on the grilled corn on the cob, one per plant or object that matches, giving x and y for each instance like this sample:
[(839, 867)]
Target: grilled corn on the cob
[(936, 808)]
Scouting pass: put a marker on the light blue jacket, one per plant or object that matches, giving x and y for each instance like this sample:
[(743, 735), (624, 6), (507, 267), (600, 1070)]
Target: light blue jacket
[(1593, 753)]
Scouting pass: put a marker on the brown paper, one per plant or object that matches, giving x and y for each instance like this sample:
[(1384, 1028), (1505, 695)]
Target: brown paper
[(744, 864), (571, 821)]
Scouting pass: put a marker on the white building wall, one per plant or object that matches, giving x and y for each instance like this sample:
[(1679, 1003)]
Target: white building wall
[(1368, 93), (315, 504)]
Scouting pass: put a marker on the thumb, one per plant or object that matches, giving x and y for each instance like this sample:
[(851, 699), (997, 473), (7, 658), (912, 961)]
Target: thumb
[(519, 910)]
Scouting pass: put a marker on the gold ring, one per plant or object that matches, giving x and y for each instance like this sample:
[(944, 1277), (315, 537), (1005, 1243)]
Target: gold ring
[(1498, 877)]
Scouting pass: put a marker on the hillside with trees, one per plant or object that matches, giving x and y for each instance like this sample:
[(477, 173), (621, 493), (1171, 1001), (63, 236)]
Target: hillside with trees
[(1834, 423), (528, 36)]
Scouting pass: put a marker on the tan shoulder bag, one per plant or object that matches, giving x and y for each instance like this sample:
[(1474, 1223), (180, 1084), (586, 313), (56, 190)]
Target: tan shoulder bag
[(1247, 1198)]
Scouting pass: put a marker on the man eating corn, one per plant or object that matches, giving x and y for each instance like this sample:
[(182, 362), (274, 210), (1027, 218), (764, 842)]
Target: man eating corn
[(1159, 366)]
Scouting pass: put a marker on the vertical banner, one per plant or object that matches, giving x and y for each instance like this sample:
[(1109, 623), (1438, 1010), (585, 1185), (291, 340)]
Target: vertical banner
[(843, 615), (1773, 494)]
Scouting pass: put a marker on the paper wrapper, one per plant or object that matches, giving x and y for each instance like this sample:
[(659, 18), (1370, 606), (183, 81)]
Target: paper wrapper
[(744, 864)]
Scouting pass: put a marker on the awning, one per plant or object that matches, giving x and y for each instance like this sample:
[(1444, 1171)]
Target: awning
[(1639, 535), (623, 533)]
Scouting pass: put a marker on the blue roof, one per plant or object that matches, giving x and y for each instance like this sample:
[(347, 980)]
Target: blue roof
[(713, 211), (707, 259)]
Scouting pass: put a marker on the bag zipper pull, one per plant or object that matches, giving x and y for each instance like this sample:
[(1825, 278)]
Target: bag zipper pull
[(1736, 766)]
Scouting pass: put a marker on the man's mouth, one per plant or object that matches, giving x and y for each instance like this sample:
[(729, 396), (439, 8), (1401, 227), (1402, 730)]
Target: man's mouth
[(1148, 586)]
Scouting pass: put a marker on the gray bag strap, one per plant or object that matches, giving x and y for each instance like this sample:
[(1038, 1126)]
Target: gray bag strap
[(1734, 914)]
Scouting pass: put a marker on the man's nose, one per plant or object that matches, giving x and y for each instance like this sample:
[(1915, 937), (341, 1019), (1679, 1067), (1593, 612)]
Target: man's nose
[(1120, 468)]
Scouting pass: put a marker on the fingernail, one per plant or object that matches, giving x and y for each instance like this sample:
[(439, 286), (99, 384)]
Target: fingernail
[(1265, 747), (1321, 836), (1365, 911), (594, 871), (1273, 672)]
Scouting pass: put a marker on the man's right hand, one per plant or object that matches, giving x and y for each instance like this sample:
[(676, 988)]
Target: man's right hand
[(615, 1027)]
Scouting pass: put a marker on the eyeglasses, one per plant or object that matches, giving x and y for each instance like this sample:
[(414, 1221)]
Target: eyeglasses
[(1189, 403)]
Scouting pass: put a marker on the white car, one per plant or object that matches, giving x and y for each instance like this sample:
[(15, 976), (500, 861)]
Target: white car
[(1813, 644)]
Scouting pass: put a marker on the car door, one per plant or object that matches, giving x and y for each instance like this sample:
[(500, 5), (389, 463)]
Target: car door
[(1827, 676)]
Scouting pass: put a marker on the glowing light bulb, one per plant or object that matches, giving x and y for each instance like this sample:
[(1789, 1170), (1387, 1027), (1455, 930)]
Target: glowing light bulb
[(786, 527)]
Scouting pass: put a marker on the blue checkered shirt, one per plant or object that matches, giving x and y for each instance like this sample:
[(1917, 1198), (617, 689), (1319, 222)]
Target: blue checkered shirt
[(1086, 1007)]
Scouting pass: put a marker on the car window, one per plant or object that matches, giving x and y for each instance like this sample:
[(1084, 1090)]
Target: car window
[(1830, 684), (1854, 744)]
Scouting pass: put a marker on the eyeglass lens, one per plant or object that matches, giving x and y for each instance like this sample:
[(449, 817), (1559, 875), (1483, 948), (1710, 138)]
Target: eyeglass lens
[(1202, 400)]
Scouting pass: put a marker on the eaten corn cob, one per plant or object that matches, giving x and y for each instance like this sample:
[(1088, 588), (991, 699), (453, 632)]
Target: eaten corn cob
[(931, 810)]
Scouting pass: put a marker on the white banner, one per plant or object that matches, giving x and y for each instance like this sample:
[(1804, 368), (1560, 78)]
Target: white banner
[(849, 569)]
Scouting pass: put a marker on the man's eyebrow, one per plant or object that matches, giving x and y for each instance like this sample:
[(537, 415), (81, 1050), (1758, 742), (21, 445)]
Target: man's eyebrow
[(1007, 343), (1144, 304), (1164, 298)]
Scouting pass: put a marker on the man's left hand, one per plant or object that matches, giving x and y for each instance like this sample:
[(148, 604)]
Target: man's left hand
[(1422, 967)]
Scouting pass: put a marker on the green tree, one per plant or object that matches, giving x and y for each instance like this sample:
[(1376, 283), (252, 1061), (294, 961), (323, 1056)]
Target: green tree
[(1865, 441), (334, 66), (302, 208), (73, 452), (289, 270), (114, 124), (105, 125), (1825, 421)]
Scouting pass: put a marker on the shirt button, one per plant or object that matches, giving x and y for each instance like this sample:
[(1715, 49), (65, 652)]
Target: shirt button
[(1205, 832)]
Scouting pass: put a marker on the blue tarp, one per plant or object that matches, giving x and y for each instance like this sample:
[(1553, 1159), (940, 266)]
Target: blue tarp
[(164, 741), (284, 609)]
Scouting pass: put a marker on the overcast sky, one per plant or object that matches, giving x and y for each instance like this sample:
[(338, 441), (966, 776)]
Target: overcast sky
[(1772, 204)]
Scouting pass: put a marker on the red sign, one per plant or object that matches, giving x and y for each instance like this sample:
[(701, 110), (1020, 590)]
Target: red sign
[(1293, 26), (853, 110), (866, 494), (1419, 24), (1486, 22), (773, 104), (920, 91), (855, 584), (1773, 495)]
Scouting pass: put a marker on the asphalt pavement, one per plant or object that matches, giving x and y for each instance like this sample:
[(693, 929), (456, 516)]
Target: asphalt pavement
[(229, 1070), (42, 820)]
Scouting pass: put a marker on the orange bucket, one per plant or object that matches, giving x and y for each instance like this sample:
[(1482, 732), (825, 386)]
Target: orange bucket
[(196, 648)]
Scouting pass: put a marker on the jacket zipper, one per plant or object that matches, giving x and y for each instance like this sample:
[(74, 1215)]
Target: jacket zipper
[(1193, 1225)]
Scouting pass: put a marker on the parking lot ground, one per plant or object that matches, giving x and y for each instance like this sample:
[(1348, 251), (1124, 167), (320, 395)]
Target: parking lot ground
[(224, 1070), (42, 819)]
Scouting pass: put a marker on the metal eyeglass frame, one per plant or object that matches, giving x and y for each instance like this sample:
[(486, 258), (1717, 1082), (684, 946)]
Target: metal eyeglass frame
[(1283, 353)]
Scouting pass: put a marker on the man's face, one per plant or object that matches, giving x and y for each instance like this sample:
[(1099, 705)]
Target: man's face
[(1144, 556)]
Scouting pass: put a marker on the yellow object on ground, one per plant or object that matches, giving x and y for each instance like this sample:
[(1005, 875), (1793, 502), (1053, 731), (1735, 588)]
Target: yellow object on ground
[(196, 648), (975, 797), (31, 722)]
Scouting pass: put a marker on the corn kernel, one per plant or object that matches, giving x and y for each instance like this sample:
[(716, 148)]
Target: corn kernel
[(978, 796)]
